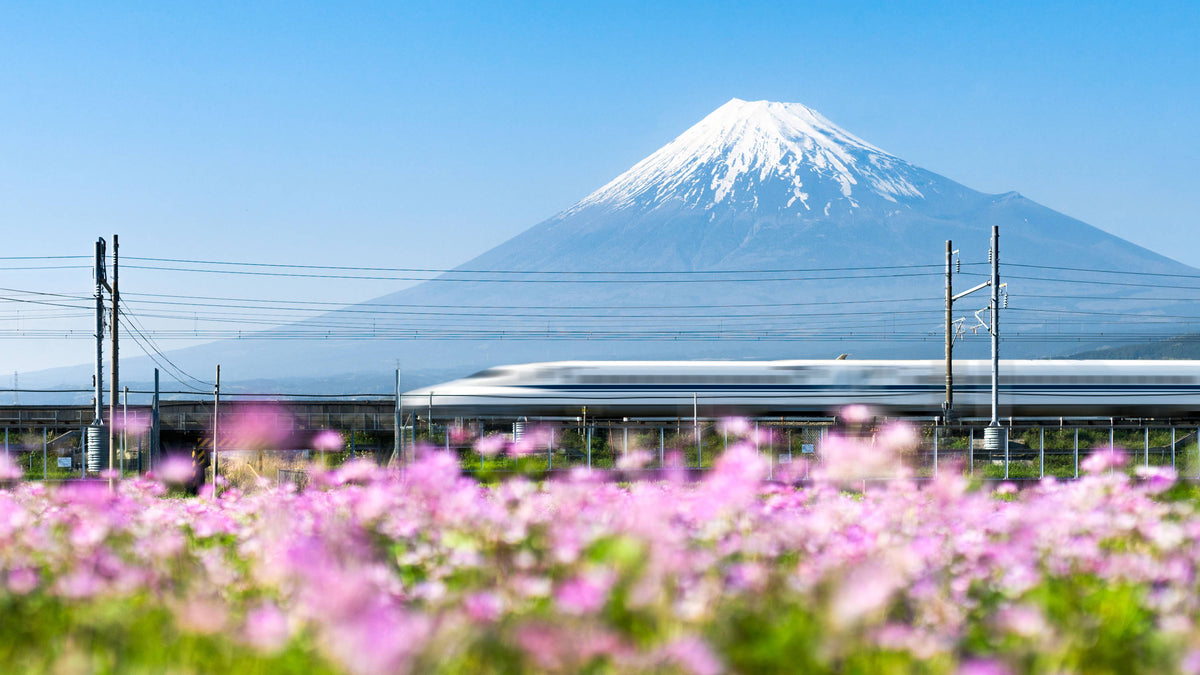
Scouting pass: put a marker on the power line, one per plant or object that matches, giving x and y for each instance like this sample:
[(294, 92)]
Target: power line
[(151, 350), (45, 257), (340, 304), (1097, 282), (1103, 271), (432, 270), (45, 267)]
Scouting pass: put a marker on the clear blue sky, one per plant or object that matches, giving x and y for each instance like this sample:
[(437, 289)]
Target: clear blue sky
[(408, 133)]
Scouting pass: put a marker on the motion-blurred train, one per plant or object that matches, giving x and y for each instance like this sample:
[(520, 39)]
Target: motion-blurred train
[(1057, 388)]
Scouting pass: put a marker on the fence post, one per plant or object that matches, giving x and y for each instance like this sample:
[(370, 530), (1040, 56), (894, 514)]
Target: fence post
[(771, 455), (1146, 447), (1005, 453), (44, 444), (971, 451), (662, 441), (1077, 452), (1172, 448), (589, 447), (935, 452), (1041, 452), (1112, 445)]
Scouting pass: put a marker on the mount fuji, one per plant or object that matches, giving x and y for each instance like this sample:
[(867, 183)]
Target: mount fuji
[(763, 231), (758, 183)]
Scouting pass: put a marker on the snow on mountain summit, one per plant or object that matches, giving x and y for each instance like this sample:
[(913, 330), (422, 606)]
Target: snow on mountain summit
[(763, 156)]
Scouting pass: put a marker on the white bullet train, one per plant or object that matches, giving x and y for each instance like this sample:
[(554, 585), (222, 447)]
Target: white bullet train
[(610, 389)]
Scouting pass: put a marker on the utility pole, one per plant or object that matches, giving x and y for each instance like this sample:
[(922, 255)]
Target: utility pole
[(101, 283), (216, 428), (992, 433), (154, 426), (114, 373), (398, 423), (948, 405), (94, 435), (124, 429), (994, 329)]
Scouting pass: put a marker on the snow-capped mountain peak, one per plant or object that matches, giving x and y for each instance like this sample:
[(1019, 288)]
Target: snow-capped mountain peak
[(763, 156)]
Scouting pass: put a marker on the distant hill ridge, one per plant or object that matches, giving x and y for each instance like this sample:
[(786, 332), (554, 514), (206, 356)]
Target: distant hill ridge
[(1182, 347)]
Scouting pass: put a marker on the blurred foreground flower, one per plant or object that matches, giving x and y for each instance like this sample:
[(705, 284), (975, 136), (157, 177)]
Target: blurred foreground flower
[(176, 469), (369, 570), (9, 470), (1103, 459), (328, 441)]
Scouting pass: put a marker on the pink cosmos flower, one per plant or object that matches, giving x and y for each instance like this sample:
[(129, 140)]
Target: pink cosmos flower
[(865, 590), (135, 425), (533, 441), (266, 628), (857, 414), (984, 667), (483, 607), (543, 644), (1190, 665), (9, 470), (737, 426), (1023, 619), (634, 460), (582, 595), (693, 656), (1155, 479), (848, 458), (22, 580), (176, 469), (460, 435), (328, 440), (490, 445), (1102, 459)]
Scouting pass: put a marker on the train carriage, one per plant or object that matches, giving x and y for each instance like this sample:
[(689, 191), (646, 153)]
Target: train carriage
[(818, 387)]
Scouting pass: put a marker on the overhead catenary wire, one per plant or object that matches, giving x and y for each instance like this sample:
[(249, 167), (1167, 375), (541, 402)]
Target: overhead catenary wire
[(151, 350), (291, 319)]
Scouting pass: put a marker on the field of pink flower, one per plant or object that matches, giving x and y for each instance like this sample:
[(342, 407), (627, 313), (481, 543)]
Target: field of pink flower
[(370, 570)]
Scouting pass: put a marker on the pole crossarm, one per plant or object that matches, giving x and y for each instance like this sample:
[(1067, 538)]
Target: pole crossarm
[(964, 294)]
